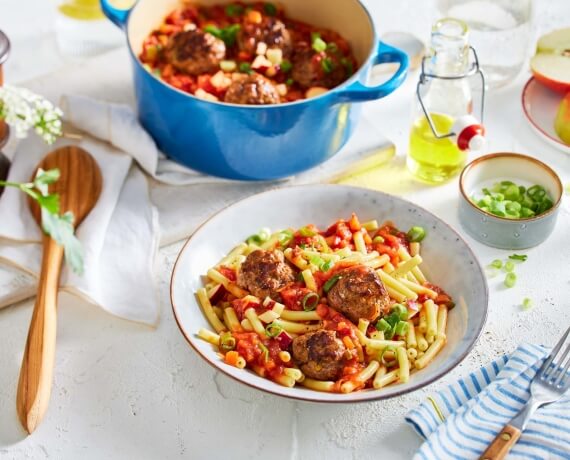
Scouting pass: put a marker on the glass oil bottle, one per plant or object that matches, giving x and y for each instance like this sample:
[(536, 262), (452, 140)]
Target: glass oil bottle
[(443, 128)]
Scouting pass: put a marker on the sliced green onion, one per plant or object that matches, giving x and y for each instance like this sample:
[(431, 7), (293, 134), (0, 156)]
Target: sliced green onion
[(310, 301), (382, 325), (316, 260), (289, 81), (327, 266), (306, 232), (527, 303), (347, 64), (512, 192), (378, 239), (510, 280), (227, 341), (330, 283), (497, 263), (400, 310), (521, 257), (509, 266), (284, 237), (233, 10), (273, 330), (270, 9), (245, 67), (264, 351), (254, 239), (319, 45), (285, 66), (327, 65), (314, 36), (332, 47), (401, 328), (383, 361), (416, 234)]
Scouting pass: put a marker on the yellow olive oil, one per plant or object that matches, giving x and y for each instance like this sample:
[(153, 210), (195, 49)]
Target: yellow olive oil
[(85, 10), (431, 159)]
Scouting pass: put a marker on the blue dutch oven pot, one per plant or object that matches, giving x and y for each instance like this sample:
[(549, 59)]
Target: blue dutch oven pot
[(258, 142)]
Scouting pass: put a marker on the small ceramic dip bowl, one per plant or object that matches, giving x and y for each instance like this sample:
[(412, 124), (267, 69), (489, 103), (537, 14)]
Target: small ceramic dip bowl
[(503, 232)]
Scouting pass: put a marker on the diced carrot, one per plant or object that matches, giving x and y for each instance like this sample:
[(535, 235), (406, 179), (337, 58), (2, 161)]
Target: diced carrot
[(231, 358), (354, 223), (254, 17), (348, 343)]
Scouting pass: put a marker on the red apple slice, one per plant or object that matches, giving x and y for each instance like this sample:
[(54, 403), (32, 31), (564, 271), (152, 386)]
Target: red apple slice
[(552, 70)]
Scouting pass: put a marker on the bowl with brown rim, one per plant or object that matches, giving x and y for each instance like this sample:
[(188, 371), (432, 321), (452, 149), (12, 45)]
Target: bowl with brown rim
[(504, 232)]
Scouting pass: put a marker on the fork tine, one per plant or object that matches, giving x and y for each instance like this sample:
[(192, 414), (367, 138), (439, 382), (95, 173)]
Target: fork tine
[(544, 369), (562, 379), (558, 365)]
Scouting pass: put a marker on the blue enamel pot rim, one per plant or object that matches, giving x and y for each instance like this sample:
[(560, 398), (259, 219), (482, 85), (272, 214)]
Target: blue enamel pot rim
[(515, 157), (354, 78)]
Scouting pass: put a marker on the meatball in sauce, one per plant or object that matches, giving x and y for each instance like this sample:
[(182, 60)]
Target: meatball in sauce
[(270, 31), (313, 69), (195, 52), (359, 293), (252, 89), (265, 273), (320, 354)]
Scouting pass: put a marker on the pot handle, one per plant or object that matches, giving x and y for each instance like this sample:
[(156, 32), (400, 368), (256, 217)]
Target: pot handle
[(357, 92), (115, 15)]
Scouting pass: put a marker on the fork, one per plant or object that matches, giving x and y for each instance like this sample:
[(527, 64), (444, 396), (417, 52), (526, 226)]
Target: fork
[(548, 386)]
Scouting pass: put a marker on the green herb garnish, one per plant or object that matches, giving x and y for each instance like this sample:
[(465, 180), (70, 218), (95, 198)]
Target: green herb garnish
[(59, 227), (227, 34), (416, 234), (270, 9), (234, 10)]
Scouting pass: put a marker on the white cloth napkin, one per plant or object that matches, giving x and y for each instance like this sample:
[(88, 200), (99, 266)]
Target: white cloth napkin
[(459, 422), (121, 235)]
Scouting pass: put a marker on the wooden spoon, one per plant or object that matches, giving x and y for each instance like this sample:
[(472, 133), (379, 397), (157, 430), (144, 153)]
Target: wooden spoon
[(79, 187)]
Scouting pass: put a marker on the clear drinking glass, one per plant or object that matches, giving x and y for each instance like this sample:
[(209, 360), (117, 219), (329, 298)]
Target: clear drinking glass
[(500, 32)]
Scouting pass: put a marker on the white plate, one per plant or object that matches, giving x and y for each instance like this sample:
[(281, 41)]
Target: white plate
[(448, 261), (540, 105)]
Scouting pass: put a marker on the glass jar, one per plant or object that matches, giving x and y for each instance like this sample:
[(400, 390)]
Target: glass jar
[(83, 30), (443, 129), (500, 31)]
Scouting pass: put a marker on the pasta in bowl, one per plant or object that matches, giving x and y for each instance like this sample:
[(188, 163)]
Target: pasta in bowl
[(334, 310)]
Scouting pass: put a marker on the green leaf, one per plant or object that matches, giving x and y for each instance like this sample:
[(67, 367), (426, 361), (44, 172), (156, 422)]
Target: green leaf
[(60, 228), (49, 202), (46, 177)]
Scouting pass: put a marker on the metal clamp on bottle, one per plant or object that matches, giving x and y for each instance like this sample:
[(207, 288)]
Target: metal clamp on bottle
[(467, 131)]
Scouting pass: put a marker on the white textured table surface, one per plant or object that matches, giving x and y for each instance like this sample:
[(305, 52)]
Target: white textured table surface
[(125, 391)]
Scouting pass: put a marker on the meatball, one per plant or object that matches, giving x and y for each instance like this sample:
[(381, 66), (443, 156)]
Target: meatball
[(195, 52), (270, 31), (252, 89), (264, 273), (359, 293), (308, 71), (319, 354)]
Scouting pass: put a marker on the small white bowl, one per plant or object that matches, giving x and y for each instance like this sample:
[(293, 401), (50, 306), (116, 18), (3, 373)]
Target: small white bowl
[(502, 232)]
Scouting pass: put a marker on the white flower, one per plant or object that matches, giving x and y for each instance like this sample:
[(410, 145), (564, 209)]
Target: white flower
[(24, 110)]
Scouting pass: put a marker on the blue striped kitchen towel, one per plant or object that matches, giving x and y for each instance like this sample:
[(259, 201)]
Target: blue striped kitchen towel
[(459, 422)]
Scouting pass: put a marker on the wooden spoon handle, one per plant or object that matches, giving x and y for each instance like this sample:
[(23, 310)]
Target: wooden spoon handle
[(36, 374), (501, 445)]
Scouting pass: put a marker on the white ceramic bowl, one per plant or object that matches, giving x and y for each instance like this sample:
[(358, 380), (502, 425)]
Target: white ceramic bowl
[(501, 232), (448, 261)]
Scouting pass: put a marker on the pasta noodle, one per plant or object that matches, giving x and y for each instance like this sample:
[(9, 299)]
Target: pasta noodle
[(255, 326)]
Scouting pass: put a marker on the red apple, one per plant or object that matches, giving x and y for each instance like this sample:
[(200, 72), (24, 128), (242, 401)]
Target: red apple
[(551, 63)]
